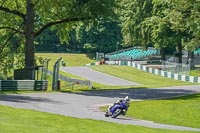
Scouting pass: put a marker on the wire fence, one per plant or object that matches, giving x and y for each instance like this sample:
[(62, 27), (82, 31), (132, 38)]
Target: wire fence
[(179, 68)]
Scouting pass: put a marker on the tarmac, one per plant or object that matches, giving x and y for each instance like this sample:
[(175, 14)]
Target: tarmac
[(95, 76)]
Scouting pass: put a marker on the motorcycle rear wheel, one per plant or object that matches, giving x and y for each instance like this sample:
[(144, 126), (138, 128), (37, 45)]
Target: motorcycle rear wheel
[(106, 114)]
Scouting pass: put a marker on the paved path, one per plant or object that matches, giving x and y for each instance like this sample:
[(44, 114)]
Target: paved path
[(96, 76), (86, 104)]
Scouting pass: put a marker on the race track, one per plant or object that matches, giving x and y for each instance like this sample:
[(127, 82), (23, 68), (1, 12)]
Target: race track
[(86, 104), (95, 76)]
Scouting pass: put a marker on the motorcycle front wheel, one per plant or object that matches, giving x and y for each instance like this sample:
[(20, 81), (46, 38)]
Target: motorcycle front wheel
[(116, 113)]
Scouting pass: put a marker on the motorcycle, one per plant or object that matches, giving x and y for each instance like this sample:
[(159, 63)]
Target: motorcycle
[(117, 109)]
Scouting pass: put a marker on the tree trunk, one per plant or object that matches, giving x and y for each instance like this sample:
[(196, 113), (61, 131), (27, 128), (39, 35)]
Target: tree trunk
[(179, 46), (29, 30), (162, 53)]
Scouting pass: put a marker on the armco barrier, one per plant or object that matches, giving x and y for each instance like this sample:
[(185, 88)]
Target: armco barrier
[(23, 84), (193, 79), (74, 81)]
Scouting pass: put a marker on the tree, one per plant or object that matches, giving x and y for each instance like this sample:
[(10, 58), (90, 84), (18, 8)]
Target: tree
[(164, 23), (132, 13), (29, 18), (101, 37), (179, 17), (159, 27), (48, 41)]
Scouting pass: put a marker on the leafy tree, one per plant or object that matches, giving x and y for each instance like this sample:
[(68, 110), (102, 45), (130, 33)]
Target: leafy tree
[(179, 16), (132, 13), (25, 20), (163, 23), (47, 41), (101, 37), (159, 27)]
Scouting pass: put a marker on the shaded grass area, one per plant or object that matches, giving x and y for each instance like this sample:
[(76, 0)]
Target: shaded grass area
[(27, 121), (148, 80), (184, 111)]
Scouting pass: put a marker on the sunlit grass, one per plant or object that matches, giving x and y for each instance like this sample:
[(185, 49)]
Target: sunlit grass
[(183, 111), (70, 59), (146, 79)]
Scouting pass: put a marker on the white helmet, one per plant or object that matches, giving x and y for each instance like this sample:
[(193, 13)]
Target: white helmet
[(127, 99)]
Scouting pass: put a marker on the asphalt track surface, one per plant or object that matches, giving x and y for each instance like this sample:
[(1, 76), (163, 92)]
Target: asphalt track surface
[(86, 104), (95, 76)]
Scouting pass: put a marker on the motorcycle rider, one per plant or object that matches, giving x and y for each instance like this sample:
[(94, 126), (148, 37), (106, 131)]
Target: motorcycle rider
[(125, 100)]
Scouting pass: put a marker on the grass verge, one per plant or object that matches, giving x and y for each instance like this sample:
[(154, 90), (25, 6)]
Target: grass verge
[(148, 80), (184, 111)]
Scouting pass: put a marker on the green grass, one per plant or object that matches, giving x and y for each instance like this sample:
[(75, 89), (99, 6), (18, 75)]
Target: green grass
[(27, 121), (146, 79), (195, 73), (183, 111), (70, 59)]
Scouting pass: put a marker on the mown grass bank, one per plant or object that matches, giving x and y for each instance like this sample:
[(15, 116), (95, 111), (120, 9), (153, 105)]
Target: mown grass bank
[(69, 59), (184, 111), (146, 79)]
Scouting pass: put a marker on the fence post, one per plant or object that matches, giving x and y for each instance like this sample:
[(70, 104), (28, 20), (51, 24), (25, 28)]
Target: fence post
[(190, 65), (56, 74), (45, 68)]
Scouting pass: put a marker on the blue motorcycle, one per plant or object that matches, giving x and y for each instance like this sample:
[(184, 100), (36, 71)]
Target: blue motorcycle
[(117, 109)]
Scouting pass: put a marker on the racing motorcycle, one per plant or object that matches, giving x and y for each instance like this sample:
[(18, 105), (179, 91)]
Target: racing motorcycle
[(117, 109)]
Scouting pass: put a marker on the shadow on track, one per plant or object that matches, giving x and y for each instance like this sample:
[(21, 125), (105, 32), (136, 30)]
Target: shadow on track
[(140, 94), (24, 99)]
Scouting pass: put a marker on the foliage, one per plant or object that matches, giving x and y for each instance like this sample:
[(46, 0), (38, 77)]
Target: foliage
[(162, 23), (101, 36), (20, 25), (132, 13)]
